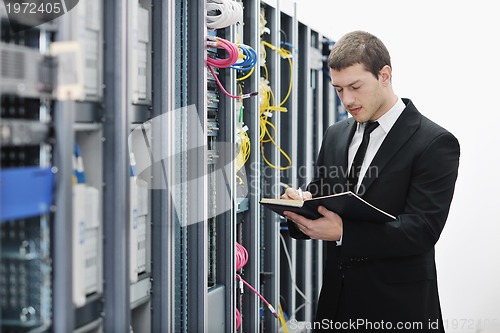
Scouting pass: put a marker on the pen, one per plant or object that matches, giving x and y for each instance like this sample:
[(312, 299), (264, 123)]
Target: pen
[(300, 194)]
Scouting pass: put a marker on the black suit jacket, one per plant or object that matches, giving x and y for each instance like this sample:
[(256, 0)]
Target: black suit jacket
[(388, 270)]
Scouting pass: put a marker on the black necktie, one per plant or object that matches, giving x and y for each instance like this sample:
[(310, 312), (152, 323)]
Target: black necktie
[(360, 156)]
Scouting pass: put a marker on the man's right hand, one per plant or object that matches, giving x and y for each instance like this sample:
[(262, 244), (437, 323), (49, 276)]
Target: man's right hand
[(293, 194)]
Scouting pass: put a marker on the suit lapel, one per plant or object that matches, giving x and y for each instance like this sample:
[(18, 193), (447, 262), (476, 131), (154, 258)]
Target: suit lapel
[(400, 133)]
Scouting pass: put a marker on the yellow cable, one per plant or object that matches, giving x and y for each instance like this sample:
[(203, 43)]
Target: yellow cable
[(244, 153), (264, 132), (266, 72), (244, 146), (263, 128), (246, 75), (285, 54), (267, 128), (277, 108), (282, 152), (281, 316)]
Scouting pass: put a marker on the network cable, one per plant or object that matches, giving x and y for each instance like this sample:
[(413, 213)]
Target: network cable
[(249, 57), (269, 306), (223, 13), (268, 105), (241, 260), (267, 128), (248, 95), (78, 169), (243, 141), (285, 54), (282, 319), (241, 256), (233, 56), (244, 145), (290, 266), (231, 49), (238, 319)]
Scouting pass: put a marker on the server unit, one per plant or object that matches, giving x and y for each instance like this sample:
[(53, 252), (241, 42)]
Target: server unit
[(27, 177)]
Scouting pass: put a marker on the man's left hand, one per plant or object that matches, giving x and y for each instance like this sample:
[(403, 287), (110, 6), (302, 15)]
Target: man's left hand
[(328, 227)]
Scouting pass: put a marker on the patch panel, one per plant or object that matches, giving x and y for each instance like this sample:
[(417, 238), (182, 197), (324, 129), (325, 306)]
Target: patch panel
[(25, 72), (212, 99), (22, 132), (13, 107), (25, 283), (212, 127)]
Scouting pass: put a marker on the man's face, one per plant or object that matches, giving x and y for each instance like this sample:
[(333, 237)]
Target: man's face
[(361, 93)]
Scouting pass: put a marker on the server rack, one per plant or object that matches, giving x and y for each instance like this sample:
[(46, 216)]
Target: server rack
[(165, 310), (160, 240), (249, 225), (80, 120), (27, 177), (290, 144), (139, 86), (270, 180)]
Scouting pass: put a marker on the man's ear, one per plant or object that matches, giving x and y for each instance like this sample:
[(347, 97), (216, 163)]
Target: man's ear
[(385, 75)]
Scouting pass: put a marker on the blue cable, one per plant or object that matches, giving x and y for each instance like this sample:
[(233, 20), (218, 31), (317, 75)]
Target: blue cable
[(249, 61), (79, 170), (293, 48)]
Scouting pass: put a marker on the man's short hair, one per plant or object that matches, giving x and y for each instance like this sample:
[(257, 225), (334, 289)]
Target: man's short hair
[(359, 47)]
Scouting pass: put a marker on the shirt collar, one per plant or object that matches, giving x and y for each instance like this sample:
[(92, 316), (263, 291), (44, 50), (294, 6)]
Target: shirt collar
[(388, 119)]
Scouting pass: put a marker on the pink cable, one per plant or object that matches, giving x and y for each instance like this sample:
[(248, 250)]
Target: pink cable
[(232, 51), (241, 256), (238, 319), (241, 260), (269, 306), (225, 91)]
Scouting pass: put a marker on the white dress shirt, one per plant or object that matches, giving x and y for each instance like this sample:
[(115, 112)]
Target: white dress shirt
[(386, 121)]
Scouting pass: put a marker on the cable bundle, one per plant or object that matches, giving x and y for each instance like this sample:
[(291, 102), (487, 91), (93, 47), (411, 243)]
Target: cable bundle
[(248, 55), (231, 49), (231, 12), (285, 54), (241, 260), (267, 128), (268, 106), (249, 58), (233, 56), (244, 144), (241, 256), (238, 319)]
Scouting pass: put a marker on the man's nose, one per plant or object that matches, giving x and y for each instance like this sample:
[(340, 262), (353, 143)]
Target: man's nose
[(348, 98)]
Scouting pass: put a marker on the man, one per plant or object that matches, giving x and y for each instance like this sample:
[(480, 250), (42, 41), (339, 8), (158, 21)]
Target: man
[(379, 276)]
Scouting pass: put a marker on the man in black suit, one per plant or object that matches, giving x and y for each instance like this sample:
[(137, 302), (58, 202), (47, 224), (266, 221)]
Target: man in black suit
[(379, 276)]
